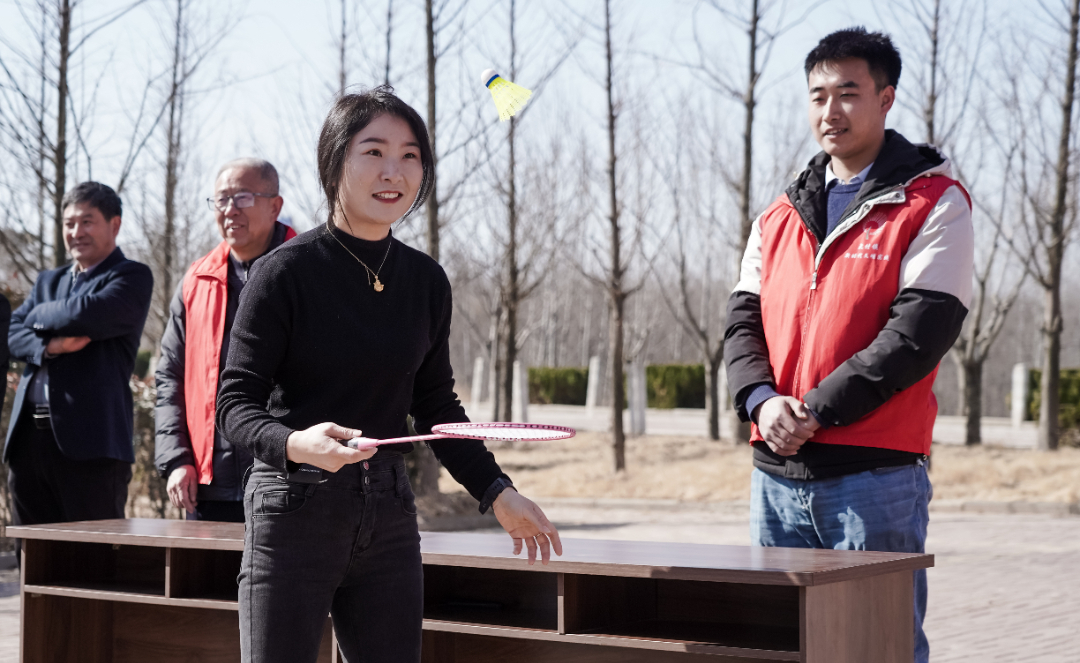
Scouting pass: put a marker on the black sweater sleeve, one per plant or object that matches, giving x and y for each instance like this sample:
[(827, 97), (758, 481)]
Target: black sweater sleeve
[(434, 402)]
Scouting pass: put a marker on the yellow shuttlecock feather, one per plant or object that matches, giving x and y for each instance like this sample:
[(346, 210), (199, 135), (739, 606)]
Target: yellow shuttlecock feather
[(509, 97)]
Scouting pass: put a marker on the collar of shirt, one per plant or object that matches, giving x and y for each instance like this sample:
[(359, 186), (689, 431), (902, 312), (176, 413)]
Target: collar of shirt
[(240, 267), (84, 273), (858, 179)]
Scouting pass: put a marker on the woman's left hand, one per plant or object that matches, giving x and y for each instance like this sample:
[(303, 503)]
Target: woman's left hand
[(526, 523)]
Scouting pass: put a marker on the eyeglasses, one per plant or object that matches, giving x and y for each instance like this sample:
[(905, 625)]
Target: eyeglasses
[(241, 200)]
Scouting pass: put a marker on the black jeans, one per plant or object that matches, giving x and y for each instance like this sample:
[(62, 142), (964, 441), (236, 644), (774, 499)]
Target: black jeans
[(48, 487), (348, 547)]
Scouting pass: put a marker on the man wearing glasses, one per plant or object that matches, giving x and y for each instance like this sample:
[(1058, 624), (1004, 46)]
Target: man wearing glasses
[(204, 472)]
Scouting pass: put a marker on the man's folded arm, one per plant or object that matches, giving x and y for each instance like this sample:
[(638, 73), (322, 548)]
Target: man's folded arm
[(118, 309), (24, 344)]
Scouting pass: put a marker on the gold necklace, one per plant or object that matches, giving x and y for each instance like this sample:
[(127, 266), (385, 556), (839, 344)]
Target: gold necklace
[(378, 284)]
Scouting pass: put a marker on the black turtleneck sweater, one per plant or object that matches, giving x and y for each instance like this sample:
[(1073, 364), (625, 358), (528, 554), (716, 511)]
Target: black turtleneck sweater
[(313, 342)]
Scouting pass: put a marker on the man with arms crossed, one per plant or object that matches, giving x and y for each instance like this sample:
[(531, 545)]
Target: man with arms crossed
[(69, 442), (204, 472), (854, 285)]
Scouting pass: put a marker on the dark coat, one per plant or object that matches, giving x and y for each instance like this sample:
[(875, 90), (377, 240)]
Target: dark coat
[(89, 390), (5, 320)]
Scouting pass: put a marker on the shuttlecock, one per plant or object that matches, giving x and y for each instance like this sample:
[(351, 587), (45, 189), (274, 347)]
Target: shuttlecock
[(509, 97)]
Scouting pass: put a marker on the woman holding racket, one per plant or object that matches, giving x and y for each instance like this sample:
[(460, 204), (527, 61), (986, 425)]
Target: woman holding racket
[(340, 330)]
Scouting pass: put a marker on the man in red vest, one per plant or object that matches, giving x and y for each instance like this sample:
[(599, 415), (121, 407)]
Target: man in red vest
[(205, 473), (854, 285)]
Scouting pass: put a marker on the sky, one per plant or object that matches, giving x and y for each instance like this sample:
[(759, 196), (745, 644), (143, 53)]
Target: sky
[(265, 88)]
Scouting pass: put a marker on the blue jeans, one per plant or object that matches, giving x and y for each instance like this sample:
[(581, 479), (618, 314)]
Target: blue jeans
[(348, 547), (884, 509)]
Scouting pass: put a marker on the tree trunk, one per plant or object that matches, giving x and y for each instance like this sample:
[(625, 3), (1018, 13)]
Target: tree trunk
[(712, 395), (1049, 385), (167, 248), (745, 222), (341, 51), (972, 384), (389, 30), (496, 359), (930, 112), (615, 285), (510, 348), (1055, 253), (60, 155), (427, 470), (432, 204), (512, 292), (618, 398), (41, 149)]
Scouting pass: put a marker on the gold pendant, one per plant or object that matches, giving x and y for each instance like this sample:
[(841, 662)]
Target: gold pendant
[(378, 285)]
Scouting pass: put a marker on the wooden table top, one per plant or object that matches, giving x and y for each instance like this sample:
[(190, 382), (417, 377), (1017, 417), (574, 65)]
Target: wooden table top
[(645, 559)]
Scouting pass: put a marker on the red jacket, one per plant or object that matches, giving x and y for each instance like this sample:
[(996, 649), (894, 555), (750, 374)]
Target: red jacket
[(205, 294), (854, 324)]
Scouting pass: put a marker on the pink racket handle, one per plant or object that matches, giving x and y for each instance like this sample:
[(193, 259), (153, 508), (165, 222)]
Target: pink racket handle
[(368, 443)]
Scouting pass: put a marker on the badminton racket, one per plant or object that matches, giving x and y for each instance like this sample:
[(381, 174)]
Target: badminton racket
[(501, 431)]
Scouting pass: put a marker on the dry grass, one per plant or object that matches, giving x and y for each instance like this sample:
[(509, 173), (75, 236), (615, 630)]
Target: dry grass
[(1006, 475), (698, 470)]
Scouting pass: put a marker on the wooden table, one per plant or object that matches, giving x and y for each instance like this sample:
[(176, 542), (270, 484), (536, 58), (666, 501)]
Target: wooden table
[(165, 591)]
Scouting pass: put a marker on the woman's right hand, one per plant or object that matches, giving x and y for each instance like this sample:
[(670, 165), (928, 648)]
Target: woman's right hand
[(321, 446)]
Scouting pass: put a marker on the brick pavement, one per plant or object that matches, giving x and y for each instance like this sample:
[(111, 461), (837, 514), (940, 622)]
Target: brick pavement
[(1005, 588)]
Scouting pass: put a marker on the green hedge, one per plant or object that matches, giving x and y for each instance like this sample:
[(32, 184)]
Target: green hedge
[(142, 364), (669, 385), (1069, 391), (675, 385), (562, 386)]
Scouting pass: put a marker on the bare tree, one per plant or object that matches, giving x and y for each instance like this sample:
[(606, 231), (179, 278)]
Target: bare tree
[(761, 35), (753, 20), (1057, 236), (516, 282), (615, 278), (698, 324), (1044, 236), (34, 117), (192, 39), (56, 49), (949, 40)]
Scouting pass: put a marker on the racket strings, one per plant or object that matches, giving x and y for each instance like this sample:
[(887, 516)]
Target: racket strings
[(506, 432)]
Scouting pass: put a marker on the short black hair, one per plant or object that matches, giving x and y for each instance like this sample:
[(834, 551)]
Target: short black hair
[(874, 47), (97, 195), (348, 117)]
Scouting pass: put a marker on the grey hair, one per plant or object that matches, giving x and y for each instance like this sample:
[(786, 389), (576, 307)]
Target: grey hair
[(267, 172)]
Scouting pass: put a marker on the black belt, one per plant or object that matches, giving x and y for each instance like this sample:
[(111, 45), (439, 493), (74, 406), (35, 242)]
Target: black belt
[(42, 419)]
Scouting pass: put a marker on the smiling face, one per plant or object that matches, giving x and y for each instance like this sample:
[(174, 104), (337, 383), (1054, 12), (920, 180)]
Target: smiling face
[(88, 235), (847, 113), (380, 178), (248, 230)]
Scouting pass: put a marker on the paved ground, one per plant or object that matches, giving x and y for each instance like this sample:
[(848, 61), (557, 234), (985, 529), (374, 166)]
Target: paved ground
[(1005, 589), (996, 431)]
